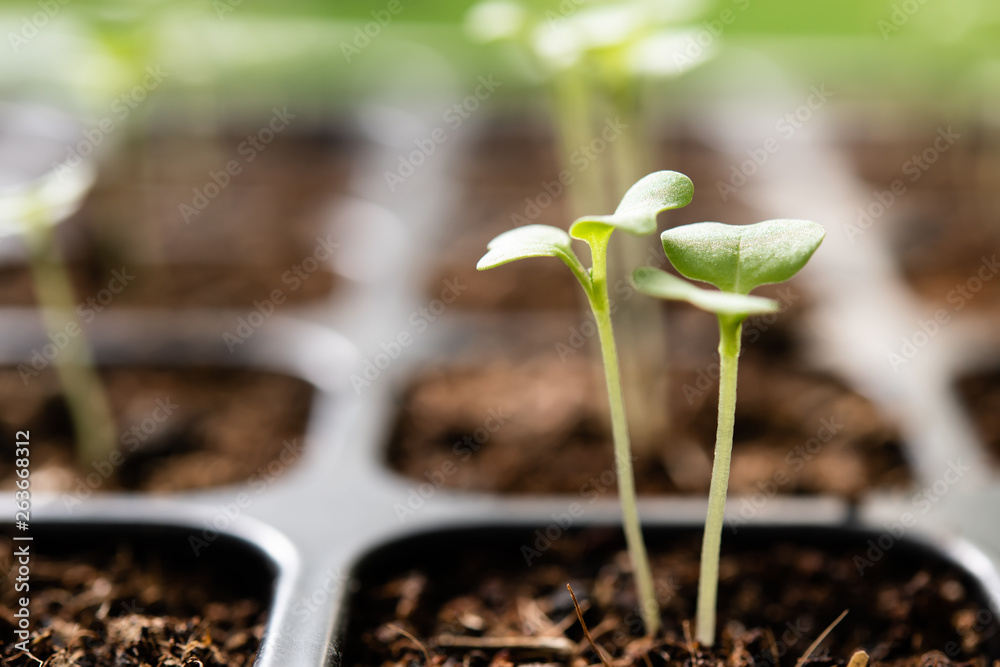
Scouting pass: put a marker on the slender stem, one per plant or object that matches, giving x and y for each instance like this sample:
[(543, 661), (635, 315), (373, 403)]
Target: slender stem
[(573, 103), (641, 328), (599, 304), (730, 329), (630, 157), (82, 388)]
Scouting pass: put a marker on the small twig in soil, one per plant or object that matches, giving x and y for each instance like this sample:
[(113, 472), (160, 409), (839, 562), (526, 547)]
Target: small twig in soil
[(774, 646), (27, 653), (859, 659), (557, 646), (420, 644), (410, 591), (819, 640), (562, 626), (688, 639), (605, 626), (740, 655), (586, 632)]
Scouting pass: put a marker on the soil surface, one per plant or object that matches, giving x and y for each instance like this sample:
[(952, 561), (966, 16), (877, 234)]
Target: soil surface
[(980, 394), (265, 230), (507, 180), (941, 221), (490, 598), (129, 604), (180, 428), (539, 424)]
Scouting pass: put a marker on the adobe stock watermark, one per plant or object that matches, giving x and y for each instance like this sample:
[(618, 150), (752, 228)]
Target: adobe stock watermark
[(227, 513), (581, 159), (120, 109), (704, 38), (913, 169), (565, 9), (332, 587), (130, 440), (790, 636), (971, 625), (33, 24), (753, 328), (922, 503), (293, 277), (334, 582), (462, 452), (901, 14), (453, 118), (785, 127), (86, 311), (631, 626), (928, 329), (795, 460), (419, 321), (562, 522), (249, 149), (365, 34), (224, 7), (619, 293)]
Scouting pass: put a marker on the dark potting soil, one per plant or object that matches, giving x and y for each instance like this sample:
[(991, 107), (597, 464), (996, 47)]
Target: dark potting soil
[(99, 286), (491, 598), (539, 424), (509, 178), (266, 230), (941, 219), (102, 598), (980, 393), (179, 428)]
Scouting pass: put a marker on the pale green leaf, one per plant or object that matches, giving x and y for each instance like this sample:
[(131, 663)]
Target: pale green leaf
[(527, 241), (738, 258), (663, 285), (636, 214)]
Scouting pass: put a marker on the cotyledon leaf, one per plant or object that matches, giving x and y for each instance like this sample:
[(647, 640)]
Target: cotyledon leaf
[(636, 214), (528, 241), (663, 285), (738, 258)]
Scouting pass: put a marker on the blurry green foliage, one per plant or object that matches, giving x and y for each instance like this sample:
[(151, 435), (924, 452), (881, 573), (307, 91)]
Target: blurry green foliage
[(244, 48)]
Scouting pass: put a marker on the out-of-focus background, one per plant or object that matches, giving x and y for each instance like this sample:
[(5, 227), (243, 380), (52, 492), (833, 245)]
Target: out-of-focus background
[(348, 163), (169, 93)]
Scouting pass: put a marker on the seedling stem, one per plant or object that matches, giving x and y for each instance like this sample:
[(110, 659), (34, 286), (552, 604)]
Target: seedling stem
[(735, 259), (636, 214), (74, 364), (601, 307), (730, 331)]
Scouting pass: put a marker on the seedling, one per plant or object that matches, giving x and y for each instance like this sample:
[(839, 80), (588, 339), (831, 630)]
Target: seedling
[(599, 61), (32, 211), (636, 214), (736, 259)]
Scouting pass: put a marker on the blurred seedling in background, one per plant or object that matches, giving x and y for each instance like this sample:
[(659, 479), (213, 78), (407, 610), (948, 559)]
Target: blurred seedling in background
[(34, 199), (636, 214), (735, 259), (597, 60)]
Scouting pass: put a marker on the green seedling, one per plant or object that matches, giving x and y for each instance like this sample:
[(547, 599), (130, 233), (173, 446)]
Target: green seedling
[(736, 259), (599, 61), (636, 214), (33, 212), (595, 59)]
